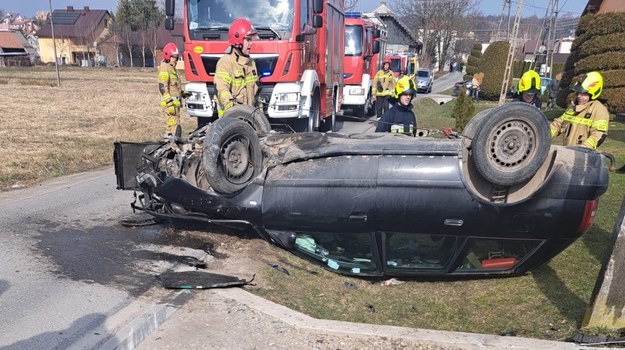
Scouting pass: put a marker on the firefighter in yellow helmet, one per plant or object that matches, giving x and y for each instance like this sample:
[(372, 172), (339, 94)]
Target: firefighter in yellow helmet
[(383, 83), (529, 89), (585, 122), (236, 76), (170, 89), (400, 118)]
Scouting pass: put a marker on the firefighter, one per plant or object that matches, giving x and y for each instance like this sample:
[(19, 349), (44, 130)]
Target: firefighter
[(529, 89), (236, 76), (400, 118), (383, 84), (170, 89), (585, 122)]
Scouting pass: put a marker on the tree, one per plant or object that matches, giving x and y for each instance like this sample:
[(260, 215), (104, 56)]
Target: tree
[(474, 59), (351, 5), (493, 65), (148, 17), (436, 23), (463, 109), (126, 23), (599, 46)]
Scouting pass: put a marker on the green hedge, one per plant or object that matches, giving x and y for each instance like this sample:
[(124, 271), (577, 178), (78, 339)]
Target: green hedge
[(473, 61), (494, 65), (599, 46)]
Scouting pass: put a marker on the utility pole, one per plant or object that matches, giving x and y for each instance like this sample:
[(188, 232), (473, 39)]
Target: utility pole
[(506, 4), (551, 41), (545, 42), (510, 59), (56, 60)]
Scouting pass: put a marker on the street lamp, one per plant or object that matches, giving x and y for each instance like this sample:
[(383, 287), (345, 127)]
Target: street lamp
[(56, 60)]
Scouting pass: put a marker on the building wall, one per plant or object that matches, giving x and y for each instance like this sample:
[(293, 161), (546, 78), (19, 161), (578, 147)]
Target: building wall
[(71, 50)]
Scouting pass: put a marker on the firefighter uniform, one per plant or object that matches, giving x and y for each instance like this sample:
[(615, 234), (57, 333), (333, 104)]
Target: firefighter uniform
[(583, 125), (383, 84), (236, 81), (400, 119), (171, 92)]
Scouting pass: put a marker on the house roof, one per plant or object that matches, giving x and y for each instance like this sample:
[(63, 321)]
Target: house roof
[(13, 40), (73, 23), (384, 12)]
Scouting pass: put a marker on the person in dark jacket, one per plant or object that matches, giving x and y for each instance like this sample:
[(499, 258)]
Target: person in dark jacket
[(400, 118), (529, 89)]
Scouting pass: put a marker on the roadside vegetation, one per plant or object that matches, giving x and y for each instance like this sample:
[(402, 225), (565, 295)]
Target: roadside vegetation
[(55, 131)]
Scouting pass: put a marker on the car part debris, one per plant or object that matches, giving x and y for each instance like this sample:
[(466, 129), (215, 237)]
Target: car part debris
[(200, 280)]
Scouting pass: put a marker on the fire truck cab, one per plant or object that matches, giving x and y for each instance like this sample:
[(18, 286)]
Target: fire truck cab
[(299, 57), (361, 47), (399, 63)]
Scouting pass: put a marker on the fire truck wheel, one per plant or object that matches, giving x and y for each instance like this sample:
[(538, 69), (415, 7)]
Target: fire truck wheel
[(252, 115), (511, 143), (232, 156)]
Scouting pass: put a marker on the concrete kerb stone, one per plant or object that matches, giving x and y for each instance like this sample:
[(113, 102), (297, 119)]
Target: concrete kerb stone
[(456, 340)]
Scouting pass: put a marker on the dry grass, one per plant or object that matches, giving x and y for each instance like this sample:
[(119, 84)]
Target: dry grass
[(50, 131)]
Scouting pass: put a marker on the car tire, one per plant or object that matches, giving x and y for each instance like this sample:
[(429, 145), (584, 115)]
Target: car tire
[(511, 142), (473, 124), (232, 155), (254, 116)]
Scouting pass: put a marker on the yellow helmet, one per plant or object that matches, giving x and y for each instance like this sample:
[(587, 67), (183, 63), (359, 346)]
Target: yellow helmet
[(590, 83), (530, 82), (405, 85)]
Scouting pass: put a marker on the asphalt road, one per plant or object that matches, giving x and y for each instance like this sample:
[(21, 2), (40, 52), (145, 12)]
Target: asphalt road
[(69, 272)]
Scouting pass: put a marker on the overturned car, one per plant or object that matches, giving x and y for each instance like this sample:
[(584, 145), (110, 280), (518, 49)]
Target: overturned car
[(498, 200)]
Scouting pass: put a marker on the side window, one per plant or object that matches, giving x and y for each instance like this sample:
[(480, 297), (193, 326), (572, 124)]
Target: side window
[(406, 251), (496, 254), (305, 13), (344, 252)]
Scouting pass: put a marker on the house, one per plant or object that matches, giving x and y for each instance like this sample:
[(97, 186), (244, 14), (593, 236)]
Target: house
[(602, 6), (77, 36), (15, 50), (399, 38)]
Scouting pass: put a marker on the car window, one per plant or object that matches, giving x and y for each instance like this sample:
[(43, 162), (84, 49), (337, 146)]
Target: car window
[(423, 74), (496, 254), (345, 252), (405, 251)]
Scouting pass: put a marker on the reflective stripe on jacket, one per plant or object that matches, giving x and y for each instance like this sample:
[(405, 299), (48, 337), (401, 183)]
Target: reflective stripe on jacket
[(236, 79), (398, 119), (168, 82), (583, 125), (383, 83)]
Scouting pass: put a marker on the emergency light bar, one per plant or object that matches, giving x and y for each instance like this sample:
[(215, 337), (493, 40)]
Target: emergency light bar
[(353, 14)]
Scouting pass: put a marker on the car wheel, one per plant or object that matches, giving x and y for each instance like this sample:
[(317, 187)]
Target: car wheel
[(510, 144), (473, 123), (254, 116), (232, 155)]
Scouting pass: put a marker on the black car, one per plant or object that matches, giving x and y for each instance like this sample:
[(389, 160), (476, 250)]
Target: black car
[(498, 200)]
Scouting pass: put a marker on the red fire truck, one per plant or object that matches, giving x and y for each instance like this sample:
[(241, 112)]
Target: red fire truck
[(362, 46), (299, 56)]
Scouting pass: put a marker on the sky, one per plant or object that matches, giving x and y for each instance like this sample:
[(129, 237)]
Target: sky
[(28, 8)]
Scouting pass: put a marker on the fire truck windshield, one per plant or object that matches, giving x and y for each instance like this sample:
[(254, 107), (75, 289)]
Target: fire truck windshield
[(272, 18), (353, 40)]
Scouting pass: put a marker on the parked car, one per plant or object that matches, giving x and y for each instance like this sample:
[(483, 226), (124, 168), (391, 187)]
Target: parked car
[(497, 200), (425, 80), (467, 85), (544, 83)]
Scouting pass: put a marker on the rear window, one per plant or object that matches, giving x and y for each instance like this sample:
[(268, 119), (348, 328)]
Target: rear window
[(496, 254)]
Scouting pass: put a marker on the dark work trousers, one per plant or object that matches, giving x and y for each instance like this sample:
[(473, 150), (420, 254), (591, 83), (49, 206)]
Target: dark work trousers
[(381, 105)]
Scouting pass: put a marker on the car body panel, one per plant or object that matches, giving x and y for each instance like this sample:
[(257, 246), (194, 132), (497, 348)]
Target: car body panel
[(383, 204)]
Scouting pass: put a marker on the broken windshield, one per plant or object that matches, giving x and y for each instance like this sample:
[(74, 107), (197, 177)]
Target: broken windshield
[(275, 16)]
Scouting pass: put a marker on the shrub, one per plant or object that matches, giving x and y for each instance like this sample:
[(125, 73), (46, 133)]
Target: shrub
[(463, 109), (473, 61), (599, 46), (493, 64)]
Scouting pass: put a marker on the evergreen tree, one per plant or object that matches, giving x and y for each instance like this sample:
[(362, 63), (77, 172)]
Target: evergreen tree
[(599, 46), (463, 109), (473, 61), (493, 65)]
